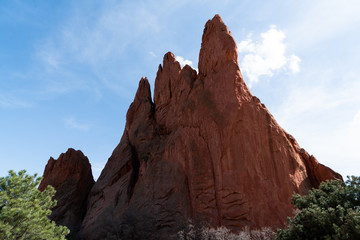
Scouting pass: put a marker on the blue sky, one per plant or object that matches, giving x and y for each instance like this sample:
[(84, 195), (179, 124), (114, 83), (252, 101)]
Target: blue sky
[(70, 69)]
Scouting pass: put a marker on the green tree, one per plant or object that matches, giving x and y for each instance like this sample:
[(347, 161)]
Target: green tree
[(330, 212), (24, 210)]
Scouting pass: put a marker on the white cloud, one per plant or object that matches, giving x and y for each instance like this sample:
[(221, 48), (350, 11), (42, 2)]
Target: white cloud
[(183, 61), (266, 57), (356, 120), (354, 129), (294, 63), (71, 122)]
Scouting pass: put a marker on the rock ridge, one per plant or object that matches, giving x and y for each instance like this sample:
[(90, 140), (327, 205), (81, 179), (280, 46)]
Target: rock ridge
[(204, 149)]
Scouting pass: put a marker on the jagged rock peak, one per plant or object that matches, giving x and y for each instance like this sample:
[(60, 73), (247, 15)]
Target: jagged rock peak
[(69, 162), (169, 57), (143, 92), (166, 77), (205, 150), (142, 104), (217, 48), (72, 179)]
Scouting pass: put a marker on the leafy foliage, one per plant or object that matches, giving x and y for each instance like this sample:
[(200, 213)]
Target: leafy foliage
[(330, 212), (24, 209)]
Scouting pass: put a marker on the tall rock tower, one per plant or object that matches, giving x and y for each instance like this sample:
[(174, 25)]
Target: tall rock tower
[(205, 149)]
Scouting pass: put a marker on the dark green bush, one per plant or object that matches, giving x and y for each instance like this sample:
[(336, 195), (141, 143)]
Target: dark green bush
[(330, 212)]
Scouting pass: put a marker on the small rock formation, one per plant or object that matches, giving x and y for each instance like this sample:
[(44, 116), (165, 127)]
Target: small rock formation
[(72, 179), (205, 149)]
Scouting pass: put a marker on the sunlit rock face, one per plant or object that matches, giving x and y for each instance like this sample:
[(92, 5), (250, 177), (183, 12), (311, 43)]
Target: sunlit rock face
[(203, 149)]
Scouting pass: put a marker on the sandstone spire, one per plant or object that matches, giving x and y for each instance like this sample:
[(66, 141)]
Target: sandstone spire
[(217, 48), (205, 149)]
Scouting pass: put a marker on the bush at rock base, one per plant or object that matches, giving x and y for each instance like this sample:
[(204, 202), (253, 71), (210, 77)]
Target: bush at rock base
[(330, 212)]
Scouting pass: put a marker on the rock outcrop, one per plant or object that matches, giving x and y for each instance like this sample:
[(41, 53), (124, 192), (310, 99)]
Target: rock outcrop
[(205, 149), (72, 179)]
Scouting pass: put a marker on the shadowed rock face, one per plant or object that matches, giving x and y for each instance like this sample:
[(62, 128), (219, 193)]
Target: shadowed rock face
[(205, 149), (72, 179)]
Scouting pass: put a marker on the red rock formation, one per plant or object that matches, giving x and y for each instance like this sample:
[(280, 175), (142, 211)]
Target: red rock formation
[(72, 179), (206, 149)]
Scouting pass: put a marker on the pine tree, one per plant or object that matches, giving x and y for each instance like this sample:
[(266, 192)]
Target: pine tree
[(24, 210)]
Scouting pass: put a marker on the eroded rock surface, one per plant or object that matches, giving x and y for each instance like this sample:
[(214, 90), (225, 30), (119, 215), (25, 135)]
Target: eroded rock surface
[(72, 179), (205, 149)]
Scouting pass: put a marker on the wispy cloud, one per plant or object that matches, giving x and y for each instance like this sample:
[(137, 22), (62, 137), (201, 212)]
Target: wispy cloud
[(356, 119), (91, 51), (152, 53), (324, 20), (73, 123), (108, 36), (324, 116), (330, 93), (10, 101), (265, 57)]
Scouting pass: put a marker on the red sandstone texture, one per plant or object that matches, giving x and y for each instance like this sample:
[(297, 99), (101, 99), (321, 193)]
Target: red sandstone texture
[(205, 149), (72, 179)]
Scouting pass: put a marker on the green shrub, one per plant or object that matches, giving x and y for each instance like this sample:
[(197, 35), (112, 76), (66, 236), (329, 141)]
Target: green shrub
[(24, 209), (330, 212)]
